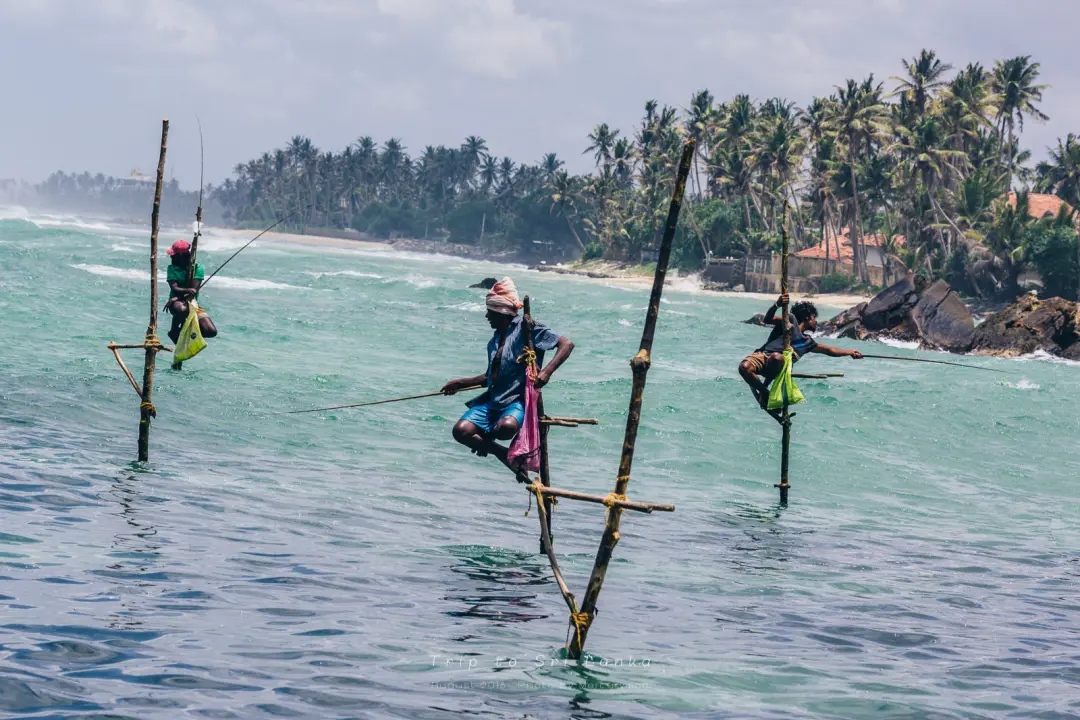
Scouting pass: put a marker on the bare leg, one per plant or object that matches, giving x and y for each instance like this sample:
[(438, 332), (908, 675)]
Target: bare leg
[(207, 327), (760, 386), (179, 310), (482, 443)]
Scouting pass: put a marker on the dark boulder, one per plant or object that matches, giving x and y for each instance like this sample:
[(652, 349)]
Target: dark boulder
[(942, 321), (485, 284), (758, 319), (1028, 325), (934, 316), (889, 308)]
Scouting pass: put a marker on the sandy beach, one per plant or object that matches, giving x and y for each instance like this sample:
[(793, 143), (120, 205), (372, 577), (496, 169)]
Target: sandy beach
[(613, 274)]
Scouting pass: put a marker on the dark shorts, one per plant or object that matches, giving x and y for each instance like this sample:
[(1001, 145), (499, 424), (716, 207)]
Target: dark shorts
[(756, 361), (487, 415)]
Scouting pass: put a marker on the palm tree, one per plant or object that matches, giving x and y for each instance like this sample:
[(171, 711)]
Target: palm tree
[(562, 193), (1060, 175), (857, 120), (1014, 84), (489, 173), (550, 166), (967, 106), (925, 77), (926, 161), (473, 151), (601, 140)]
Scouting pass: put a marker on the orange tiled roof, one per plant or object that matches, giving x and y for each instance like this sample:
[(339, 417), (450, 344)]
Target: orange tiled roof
[(846, 253), (1041, 205)]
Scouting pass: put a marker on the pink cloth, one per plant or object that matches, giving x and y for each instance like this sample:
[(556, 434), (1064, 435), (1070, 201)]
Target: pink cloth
[(525, 449), (503, 297)]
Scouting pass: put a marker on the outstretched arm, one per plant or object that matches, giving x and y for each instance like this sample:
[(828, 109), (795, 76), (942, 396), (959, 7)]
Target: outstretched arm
[(562, 351), (461, 383), (837, 352)]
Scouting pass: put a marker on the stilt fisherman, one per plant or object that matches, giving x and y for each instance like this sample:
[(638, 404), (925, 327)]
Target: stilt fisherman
[(768, 360), (182, 290), (499, 412)]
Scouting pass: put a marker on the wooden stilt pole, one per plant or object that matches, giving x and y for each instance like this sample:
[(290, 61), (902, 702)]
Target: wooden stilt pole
[(146, 409), (545, 467), (785, 422), (582, 620)]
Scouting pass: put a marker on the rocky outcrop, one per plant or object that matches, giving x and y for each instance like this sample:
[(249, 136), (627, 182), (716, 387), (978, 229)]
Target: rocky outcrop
[(758, 319), (1029, 325), (933, 316), (485, 284)]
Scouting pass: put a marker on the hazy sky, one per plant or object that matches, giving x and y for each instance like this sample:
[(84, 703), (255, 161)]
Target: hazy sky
[(86, 82)]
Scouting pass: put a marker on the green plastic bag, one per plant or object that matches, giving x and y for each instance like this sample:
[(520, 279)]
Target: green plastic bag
[(191, 341), (784, 391)]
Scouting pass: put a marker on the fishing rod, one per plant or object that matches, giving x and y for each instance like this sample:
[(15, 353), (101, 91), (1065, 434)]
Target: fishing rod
[(816, 376), (294, 212), (377, 402), (936, 362), (198, 211)]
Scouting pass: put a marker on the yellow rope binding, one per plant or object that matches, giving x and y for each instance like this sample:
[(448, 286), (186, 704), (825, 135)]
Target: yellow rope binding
[(149, 408), (528, 356), (580, 620)]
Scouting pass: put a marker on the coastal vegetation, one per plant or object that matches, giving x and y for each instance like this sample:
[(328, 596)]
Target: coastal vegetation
[(920, 165)]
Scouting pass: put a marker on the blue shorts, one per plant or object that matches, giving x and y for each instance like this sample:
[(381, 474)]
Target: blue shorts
[(486, 415)]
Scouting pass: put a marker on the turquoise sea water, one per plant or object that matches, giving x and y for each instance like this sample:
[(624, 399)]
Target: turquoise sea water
[(360, 564)]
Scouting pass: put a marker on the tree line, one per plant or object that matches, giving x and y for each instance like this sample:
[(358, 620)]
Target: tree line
[(925, 161)]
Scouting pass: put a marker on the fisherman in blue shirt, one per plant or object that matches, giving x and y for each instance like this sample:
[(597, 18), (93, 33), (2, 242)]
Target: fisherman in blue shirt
[(768, 360), (498, 413)]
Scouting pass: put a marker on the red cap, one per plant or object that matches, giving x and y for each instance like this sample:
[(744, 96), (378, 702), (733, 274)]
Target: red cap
[(180, 246)]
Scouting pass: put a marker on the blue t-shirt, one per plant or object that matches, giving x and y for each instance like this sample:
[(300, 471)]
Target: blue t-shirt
[(801, 343), (509, 381)]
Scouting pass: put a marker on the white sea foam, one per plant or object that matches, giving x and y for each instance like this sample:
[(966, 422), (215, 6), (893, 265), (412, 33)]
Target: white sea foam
[(49, 221), (117, 247), (686, 283), (903, 344), (15, 212), (222, 281), (122, 273), (1023, 384), (624, 323), (1047, 357), (465, 306), (418, 281), (345, 273)]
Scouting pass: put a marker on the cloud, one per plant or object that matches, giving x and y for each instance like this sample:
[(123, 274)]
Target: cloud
[(530, 76), (486, 37)]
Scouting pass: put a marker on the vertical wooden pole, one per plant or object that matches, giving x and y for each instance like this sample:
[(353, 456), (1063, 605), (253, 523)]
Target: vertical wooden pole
[(146, 409), (640, 368), (545, 470), (785, 446)]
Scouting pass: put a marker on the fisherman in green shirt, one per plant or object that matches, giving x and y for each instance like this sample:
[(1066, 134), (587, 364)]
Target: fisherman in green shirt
[(181, 290)]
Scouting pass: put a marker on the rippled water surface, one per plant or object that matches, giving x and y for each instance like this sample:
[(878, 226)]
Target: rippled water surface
[(359, 564)]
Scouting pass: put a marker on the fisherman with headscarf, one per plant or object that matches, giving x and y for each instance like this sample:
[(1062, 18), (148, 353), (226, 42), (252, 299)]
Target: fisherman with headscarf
[(498, 413)]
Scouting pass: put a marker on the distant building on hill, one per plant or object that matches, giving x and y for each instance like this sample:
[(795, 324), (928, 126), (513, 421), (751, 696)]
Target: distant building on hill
[(136, 180)]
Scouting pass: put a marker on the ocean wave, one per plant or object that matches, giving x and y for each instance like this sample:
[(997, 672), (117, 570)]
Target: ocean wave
[(117, 247), (345, 273), (902, 344), (1043, 356), (466, 306), (67, 221), (122, 273), (1023, 384), (418, 281), (14, 212), (222, 281)]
